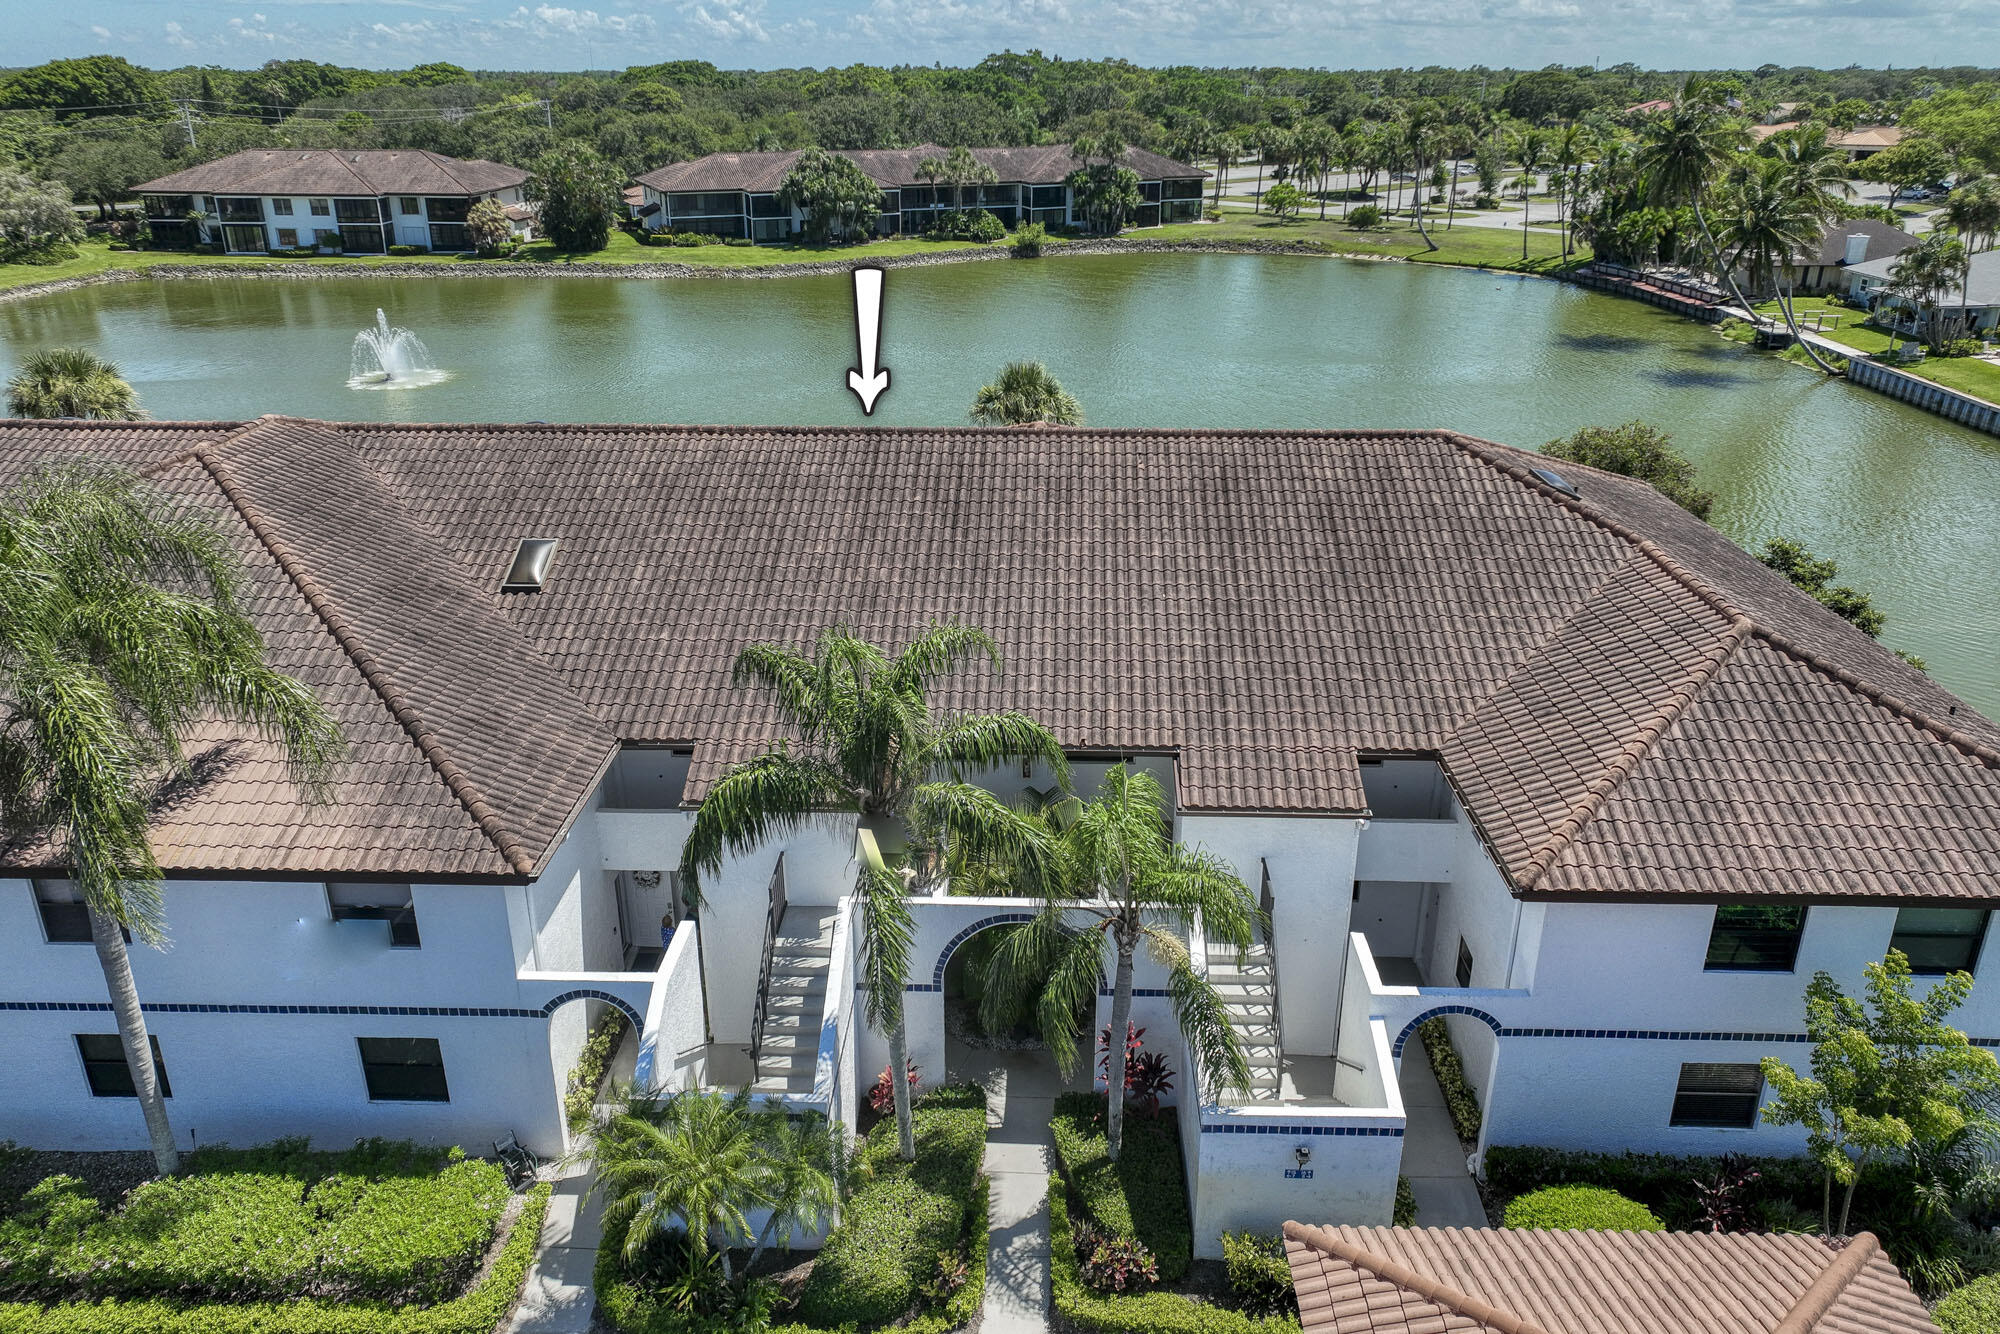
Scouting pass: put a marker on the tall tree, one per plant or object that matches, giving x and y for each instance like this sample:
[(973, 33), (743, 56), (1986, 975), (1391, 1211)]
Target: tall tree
[(868, 741), (1530, 150), (71, 382), (1973, 210), (1121, 873), (1923, 275), (1682, 157), (837, 198), (1767, 224), (122, 626), (1023, 393), (579, 195)]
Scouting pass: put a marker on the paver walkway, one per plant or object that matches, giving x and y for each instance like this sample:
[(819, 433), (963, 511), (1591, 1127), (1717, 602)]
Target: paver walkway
[(1433, 1159)]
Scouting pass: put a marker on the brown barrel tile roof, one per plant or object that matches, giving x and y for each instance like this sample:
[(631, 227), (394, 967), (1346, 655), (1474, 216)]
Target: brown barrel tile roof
[(1626, 702), (327, 171), (1407, 1280), (757, 173)]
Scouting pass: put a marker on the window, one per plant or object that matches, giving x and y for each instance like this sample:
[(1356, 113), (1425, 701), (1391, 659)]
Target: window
[(104, 1066), (65, 921), (348, 901), (403, 1070), (447, 208), (320, 208), (281, 208), (208, 203), (1464, 973), (362, 240), (288, 237), (1717, 1095), (1940, 940), (450, 236), (1755, 938), (409, 205)]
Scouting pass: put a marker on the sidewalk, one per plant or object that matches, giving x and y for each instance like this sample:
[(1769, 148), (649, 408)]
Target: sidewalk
[(1433, 1159), (557, 1297)]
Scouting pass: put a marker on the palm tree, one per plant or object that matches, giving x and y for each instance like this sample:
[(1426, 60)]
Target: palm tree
[(705, 1159), (1922, 275), (1119, 867), (1316, 147), (1025, 392), (1568, 149), (869, 743), (1766, 225), (1974, 213), (122, 625), (71, 382), (1226, 148), (1347, 153), (1425, 140), (1529, 150), (1682, 157)]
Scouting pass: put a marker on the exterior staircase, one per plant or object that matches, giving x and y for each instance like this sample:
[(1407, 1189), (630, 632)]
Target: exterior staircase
[(794, 1001), (1249, 991)]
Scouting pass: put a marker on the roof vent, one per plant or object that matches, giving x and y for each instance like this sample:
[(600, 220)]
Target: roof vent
[(531, 565), (1550, 477)]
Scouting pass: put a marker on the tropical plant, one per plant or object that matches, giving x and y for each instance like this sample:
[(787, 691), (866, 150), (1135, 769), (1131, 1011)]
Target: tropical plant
[(957, 169), (1121, 882), (71, 382), (122, 627), (1724, 1198), (1023, 393), (835, 196), (1815, 574), (705, 1160), (486, 226), (1319, 147), (1682, 154), (1030, 239), (1531, 151), (1637, 450), (1973, 210), (1773, 214), (882, 1093), (1365, 218), (1889, 1076), (1112, 1263), (1225, 148), (1103, 189), (868, 742), (36, 220), (1284, 200), (579, 195), (1922, 275)]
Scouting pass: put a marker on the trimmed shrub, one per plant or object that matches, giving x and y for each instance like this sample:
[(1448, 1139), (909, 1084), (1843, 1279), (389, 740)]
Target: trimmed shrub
[(405, 250), (1260, 1279), (1580, 1208), (1459, 1099), (580, 1097), (1972, 1309), (1668, 1184), (1143, 1195), (1365, 217), (656, 238), (874, 1265), (1406, 1204), (1087, 1312), (738, 241), (1030, 239), (478, 1311)]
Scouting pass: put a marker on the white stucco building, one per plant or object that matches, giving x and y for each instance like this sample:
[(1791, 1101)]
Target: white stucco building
[(1533, 750)]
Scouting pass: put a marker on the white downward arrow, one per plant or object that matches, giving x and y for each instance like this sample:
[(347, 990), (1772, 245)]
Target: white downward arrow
[(868, 382)]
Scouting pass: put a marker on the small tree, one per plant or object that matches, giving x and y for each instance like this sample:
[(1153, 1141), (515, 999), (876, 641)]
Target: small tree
[(1889, 1076), (835, 195), (1102, 190), (71, 382), (35, 218), (1637, 450), (486, 226), (1284, 200), (579, 193), (1025, 392), (1815, 574)]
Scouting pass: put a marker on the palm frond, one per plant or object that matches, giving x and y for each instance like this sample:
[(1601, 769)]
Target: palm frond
[(979, 827), (887, 933), (767, 797), (1201, 1015), (941, 649), (1075, 976), (791, 681), (975, 743)]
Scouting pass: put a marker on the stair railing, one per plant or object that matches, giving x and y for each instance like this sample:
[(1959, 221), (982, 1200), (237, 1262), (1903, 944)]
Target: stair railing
[(1265, 907), (773, 915)]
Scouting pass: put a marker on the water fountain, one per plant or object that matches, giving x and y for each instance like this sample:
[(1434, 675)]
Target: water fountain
[(387, 358)]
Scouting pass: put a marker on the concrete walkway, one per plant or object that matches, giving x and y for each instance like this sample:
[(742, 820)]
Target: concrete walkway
[(1433, 1160), (558, 1297)]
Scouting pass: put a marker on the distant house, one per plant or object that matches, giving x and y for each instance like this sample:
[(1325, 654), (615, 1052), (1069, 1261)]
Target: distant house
[(1869, 283), (360, 202), (736, 194), (1842, 246), (1863, 141), (1651, 108)]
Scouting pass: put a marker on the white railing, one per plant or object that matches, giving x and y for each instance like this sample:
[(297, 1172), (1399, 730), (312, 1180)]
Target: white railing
[(1421, 850)]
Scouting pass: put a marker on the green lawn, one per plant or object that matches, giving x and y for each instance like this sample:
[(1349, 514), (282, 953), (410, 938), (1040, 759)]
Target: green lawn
[(1485, 247), (1968, 375)]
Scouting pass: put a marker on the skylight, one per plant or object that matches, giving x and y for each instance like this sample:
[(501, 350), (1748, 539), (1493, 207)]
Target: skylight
[(531, 565), (1556, 480)]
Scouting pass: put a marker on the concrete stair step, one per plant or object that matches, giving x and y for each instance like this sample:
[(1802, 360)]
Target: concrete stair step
[(793, 985), (786, 1041)]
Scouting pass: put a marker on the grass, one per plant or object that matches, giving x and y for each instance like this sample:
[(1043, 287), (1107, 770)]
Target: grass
[(1143, 1194), (1478, 247), (1968, 375)]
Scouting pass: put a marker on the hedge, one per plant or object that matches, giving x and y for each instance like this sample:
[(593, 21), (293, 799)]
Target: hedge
[(1664, 1183), (1156, 1312), (580, 1095), (1580, 1208), (1459, 1099), (1972, 1309), (385, 1221), (478, 1311), (1144, 1194)]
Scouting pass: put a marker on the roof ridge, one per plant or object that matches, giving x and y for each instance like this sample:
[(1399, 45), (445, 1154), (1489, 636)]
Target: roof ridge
[(1431, 1289), (1826, 1290), (1963, 742), (438, 160), (400, 708)]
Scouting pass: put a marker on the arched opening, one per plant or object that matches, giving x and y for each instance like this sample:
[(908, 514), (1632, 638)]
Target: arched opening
[(581, 1044), (1014, 1065), (1438, 1051)]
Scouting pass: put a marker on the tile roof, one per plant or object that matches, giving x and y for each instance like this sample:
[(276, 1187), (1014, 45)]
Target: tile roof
[(327, 171), (1884, 242), (1985, 284), (1045, 164), (1626, 702), (1407, 1280)]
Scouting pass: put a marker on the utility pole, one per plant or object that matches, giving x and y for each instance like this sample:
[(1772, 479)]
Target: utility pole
[(187, 119), (548, 116)]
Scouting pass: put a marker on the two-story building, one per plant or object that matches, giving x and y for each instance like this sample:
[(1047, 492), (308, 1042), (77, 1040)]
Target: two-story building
[(1521, 745), (359, 201), (736, 194)]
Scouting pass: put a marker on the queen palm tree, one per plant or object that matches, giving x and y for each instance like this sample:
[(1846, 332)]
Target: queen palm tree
[(1118, 867), (1530, 150), (1024, 393), (868, 742), (1974, 213), (71, 382), (122, 626), (1682, 158), (1766, 224), (1922, 275)]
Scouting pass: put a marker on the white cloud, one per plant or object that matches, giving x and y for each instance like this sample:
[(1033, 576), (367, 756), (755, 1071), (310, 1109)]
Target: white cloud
[(177, 37), (100, 32), (729, 23), (556, 20)]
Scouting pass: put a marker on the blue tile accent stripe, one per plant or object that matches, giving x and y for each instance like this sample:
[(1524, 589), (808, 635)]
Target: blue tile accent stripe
[(1673, 1035), (1396, 1049), (951, 946), (591, 993), (454, 1011), (1260, 1128)]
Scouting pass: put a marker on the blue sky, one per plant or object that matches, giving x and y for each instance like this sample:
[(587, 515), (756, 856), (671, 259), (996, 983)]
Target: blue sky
[(775, 33)]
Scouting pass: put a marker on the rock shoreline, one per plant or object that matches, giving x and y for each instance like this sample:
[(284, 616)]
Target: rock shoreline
[(665, 269)]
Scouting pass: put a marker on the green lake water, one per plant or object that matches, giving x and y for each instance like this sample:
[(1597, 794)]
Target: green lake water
[(1908, 503)]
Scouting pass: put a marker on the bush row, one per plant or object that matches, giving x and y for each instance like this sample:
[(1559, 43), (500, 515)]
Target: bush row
[(1143, 1195), (1664, 1183), (1085, 1312), (478, 1311), (383, 1221), (580, 1096), (1459, 1099), (1973, 1309)]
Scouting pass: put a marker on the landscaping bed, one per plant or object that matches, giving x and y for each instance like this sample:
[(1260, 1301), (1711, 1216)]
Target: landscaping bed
[(1144, 1194)]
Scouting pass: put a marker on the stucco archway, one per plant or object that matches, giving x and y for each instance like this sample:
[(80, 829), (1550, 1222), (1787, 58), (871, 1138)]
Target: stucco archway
[(588, 993), (1396, 1049)]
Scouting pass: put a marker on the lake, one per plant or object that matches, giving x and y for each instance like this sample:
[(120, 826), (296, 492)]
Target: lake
[(1907, 503)]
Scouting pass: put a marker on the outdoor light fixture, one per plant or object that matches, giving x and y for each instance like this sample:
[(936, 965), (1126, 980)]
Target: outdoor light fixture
[(1303, 1154)]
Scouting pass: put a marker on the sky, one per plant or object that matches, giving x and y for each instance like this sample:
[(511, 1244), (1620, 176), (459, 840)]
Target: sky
[(768, 34)]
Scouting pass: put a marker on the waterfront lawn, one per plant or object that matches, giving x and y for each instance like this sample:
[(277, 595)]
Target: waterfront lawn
[(1968, 375), (1477, 247)]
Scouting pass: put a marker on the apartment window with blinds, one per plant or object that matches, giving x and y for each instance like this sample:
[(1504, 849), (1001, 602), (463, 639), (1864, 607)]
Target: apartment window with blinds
[(321, 208), (281, 208), (1940, 940), (349, 901), (403, 1070), (409, 206), (1723, 1096), (1755, 938), (105, 1068)]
